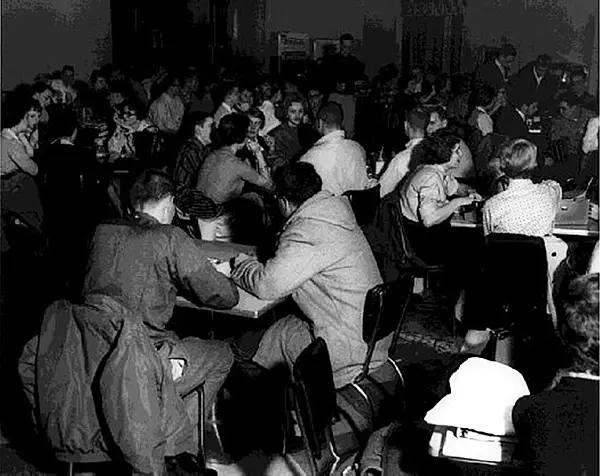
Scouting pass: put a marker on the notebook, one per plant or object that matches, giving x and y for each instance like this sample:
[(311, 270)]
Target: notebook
[(573, 211)]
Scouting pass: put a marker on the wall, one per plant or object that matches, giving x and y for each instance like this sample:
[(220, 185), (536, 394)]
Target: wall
[(562, 28), (40, 36)]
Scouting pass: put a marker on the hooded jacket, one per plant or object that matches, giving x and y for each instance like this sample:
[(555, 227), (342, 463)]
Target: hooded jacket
[(324, 262)]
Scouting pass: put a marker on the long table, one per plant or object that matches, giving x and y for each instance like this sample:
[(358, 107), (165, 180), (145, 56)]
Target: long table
[(248, 306), (585, 231)]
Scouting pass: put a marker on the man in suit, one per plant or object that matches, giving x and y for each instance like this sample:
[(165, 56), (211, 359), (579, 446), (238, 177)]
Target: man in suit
[(496, 72), (511, 121), (534, 82)]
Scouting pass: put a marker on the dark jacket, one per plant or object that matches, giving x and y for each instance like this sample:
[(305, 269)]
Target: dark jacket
[(290, 144), (489, 73), (511, 124), (103, 390), (144, 265), (525, 85)]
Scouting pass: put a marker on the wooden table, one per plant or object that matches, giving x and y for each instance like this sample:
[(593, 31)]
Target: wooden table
[(583, 231), (248, 306)]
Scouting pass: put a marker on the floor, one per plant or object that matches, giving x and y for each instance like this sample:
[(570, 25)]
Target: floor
[(426, 334)]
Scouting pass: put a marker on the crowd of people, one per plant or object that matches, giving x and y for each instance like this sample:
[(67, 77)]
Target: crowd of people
[(246, 158)]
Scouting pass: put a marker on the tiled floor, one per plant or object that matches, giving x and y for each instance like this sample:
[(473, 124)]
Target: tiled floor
[(425, 335)]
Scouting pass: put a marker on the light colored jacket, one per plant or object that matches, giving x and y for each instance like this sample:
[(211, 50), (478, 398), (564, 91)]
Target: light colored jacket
[(324, 262)]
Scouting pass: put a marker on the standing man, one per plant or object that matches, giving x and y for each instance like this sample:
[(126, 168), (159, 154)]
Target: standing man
[(534, 82), (495, 72), (340, 162)]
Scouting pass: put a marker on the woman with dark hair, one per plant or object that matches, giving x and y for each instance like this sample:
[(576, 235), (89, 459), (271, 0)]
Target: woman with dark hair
[(131, 122), (222, 176), (558, 428), (255, 148), (524, 208)]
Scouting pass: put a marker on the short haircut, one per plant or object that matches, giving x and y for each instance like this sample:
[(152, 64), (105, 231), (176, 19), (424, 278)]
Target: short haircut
[(292, 98), (257, 114), (518, 158), (543, 60), (346, 37), (438, 147), (569, 97), (580, 329), (507, 50), (188, 127), (17, 108), (150, 186), (331, 114), (229, 87), (297, 182), (232, 129), (68, 67), (418, 118), (484, 95)]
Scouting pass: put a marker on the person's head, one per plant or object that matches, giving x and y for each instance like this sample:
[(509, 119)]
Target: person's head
[(173, 85), (315, 97), (246, 98), (579, 82), (441, 148), (542, 65), (330, 118), (580, 328), (153, 193), (416, 122), (42, 93), (232, 130), (437, 119), (265, 91), (294, 184), (568, 104), (257, 122), (295, 108), (119, 92), (484, 96), (98, 80), (346, 44), (232, 95), (22, 115), (506, 56), (518, 158), (68, 74), (432, 74), (190, 83)]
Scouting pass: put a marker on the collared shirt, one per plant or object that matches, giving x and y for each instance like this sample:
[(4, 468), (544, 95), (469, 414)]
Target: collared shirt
[(501, 68), (397, 168), (538, 79), (428, 188), (524, 208), (483, 121), (167, 112), (340, 163)]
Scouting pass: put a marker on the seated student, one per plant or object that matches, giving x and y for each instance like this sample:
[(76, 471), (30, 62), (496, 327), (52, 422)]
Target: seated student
[(168, 109), (256, 148), (485, 99), (130, 120), (144, 262), (222, 176), (558, 428), (324, 262), (512, 117), (524, 208), (20, 194)]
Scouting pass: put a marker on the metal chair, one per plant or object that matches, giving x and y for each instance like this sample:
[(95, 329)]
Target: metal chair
[(315, 404)]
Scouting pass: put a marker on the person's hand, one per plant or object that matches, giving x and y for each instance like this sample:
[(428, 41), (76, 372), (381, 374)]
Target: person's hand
[(464, 201)]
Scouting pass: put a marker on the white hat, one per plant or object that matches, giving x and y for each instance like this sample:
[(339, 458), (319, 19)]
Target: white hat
[(482, 396)]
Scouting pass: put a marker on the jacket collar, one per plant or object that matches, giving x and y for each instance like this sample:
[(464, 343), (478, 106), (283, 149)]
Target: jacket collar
[(335, 135)]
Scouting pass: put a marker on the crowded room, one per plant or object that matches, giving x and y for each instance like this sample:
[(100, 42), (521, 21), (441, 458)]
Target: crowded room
[(300, 238)]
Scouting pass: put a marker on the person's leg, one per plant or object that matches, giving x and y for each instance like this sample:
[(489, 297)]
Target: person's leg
[(283, 342)]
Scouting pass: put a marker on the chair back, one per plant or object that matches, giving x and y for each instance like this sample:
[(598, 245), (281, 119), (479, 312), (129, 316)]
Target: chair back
[(384, 312), (364, 203), (315, 395)]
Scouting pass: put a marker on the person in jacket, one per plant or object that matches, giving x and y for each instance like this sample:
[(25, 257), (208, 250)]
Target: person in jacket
[(322, 260), (533, 81), (496, 71), (144, 263)]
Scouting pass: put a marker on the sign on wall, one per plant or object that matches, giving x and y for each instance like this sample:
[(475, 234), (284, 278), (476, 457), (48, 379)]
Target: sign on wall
[(293, 46)]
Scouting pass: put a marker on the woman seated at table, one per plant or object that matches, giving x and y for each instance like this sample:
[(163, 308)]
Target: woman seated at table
[(524, 207), (255, 147), (223, 176), (131, 132)]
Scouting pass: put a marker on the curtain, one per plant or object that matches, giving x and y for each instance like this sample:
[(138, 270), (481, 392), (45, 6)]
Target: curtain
[(432, 35)]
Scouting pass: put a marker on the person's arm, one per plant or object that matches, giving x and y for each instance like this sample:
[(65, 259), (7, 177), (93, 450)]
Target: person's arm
[(196, 278), (487, 220), (296, 261), (19, 156), (433, 213), (248, 174)]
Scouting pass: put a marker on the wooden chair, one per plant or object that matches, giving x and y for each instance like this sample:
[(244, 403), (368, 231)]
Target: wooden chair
[(364, 203)]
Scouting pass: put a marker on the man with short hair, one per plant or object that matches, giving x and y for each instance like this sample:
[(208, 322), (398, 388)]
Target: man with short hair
[(230, 99), (579, 88), (415, 126), (534, 82), (340, 162), (512, 119), (325, 263), (144, 263), (496, 72)]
